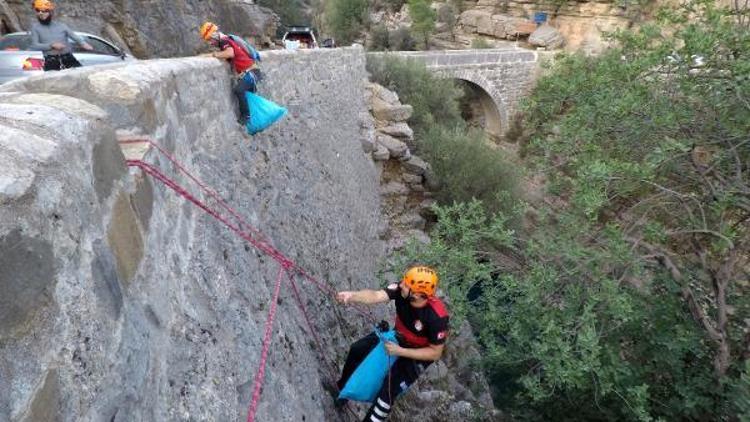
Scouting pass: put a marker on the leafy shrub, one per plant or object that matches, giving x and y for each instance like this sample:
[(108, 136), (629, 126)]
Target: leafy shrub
[(379, 38), (464, 162), (394, 5), (346, 19), (626, 298), (469, 168), (435, 100), (423, 20), (290, 11), (401, 40)]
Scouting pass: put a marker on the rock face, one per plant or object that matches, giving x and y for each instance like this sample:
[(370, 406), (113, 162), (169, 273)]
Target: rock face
[(450, 390), (546, 36), (581, 25), (123, 301), (151, 28), (402, 174), (120, 300)]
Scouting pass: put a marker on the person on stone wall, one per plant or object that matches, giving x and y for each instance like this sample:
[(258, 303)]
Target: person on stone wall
[(421, 330), (53, 38), (245, 66)]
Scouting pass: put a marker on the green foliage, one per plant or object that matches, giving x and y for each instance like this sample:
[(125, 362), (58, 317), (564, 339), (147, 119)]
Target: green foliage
[(645, 143), (435, 100), (626, 298), (290, 11), (469, 168), (463, 230), (401, 40), (346, 19), (479, 43), (379, 38), (740, 394), (466, 165), (394, 5), (423, 20)]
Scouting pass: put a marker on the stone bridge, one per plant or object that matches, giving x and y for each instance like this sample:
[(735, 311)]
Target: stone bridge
[(499, 77)]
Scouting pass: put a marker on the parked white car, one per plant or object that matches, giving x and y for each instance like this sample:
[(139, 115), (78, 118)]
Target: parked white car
[(17, 61)]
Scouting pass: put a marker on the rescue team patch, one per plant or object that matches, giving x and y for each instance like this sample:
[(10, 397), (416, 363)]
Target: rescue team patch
[(441, 335), (418, 325)]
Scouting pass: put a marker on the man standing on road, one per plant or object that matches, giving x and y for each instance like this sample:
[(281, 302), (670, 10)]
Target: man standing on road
[(53, 38)]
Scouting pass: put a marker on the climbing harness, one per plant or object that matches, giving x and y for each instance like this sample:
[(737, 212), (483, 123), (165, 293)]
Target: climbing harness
[(256, 238)]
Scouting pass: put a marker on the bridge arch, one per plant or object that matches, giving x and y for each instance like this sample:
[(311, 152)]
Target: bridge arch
[(498, 77), (494, 108)]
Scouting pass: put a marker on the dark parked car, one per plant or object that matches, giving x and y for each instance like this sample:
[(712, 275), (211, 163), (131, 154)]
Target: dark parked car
[(17, 61)]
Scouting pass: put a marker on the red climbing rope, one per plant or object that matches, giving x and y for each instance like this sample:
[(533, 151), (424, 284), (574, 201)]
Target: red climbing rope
[(258, 383), (200, 183), (257, 239)]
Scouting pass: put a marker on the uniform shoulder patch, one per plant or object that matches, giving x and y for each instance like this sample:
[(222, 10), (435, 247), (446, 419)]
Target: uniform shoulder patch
[(392, 286)]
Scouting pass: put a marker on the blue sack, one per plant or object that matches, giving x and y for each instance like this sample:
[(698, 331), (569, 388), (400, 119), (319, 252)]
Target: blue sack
[(263, 113), (365, 382)]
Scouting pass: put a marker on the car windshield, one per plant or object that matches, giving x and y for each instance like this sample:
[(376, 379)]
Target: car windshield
[(15, 42)]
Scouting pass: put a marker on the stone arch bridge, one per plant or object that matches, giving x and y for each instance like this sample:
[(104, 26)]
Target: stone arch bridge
[(499, 77)]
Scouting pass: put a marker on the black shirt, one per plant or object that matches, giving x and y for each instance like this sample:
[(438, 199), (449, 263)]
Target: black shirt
[(419, 327)]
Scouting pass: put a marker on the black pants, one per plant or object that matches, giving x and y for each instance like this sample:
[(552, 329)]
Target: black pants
[(248, 83), (60, 62), (402, 375)]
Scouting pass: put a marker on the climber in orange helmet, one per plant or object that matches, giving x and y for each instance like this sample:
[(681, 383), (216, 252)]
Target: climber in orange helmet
[(421, 330), (245, 66), (51, 37)]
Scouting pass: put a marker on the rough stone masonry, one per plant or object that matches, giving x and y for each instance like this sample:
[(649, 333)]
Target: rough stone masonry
[(121, 301)]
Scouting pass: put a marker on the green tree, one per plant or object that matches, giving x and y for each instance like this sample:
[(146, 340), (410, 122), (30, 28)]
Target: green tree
[(379, 38), (423, 20), (463, 160), (290, 12), (624, 296), (346, 19)]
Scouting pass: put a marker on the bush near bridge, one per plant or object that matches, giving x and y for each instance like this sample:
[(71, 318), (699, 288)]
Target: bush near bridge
[(627, 299), (464, 161)]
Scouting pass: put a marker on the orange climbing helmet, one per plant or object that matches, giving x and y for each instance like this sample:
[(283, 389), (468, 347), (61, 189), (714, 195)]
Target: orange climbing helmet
[(421, 279), (44, 5), (208, 29)]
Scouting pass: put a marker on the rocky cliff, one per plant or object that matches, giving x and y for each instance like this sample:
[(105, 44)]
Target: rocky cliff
[(124, 302), (151, 28), (574, 25), (121, 301), (582, 24)]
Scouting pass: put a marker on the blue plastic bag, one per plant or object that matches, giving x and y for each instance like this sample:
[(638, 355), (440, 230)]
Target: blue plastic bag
[(263, 113), (365, 382)]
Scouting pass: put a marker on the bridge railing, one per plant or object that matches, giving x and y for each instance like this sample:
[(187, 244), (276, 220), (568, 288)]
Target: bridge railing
[(457, 58)]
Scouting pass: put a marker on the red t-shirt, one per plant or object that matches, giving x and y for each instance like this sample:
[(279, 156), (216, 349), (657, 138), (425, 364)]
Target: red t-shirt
[(241, 61)]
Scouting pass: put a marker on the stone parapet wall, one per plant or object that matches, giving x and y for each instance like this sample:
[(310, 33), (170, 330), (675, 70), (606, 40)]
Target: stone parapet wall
[(120, 301)]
